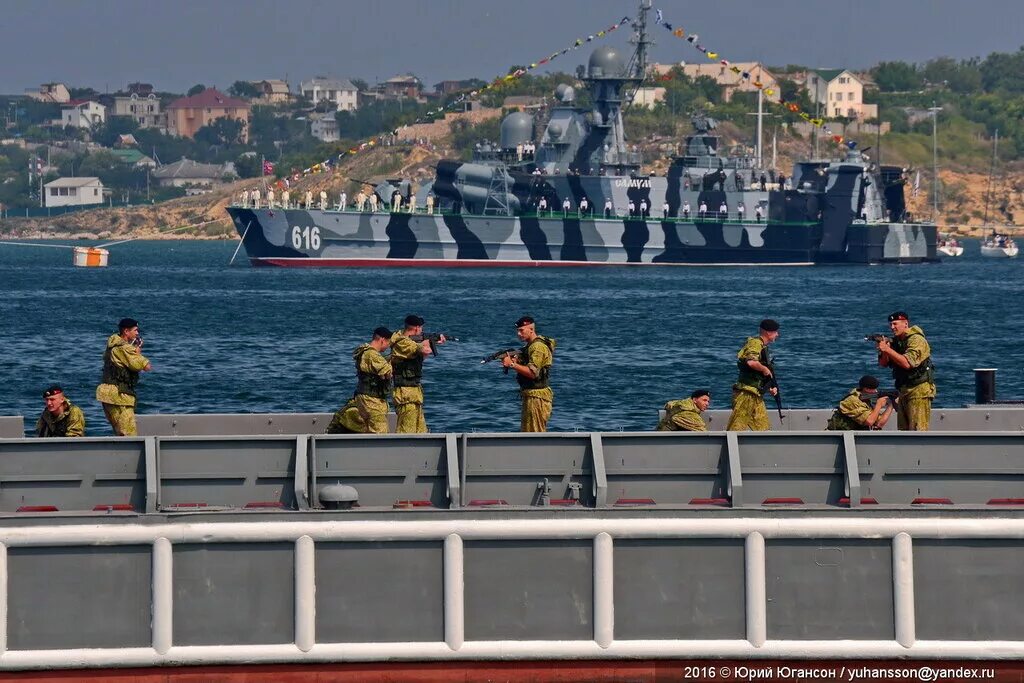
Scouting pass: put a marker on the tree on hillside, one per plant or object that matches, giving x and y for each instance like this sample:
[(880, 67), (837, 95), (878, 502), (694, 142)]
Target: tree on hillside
[(1003, 71), (196, 89), (222, 132), (115, 126), (960, 77), (361, 85), (244, 89), (896, 77), (83, 93)]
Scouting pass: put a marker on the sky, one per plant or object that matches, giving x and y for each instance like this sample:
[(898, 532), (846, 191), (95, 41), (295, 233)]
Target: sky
[(173, 45)]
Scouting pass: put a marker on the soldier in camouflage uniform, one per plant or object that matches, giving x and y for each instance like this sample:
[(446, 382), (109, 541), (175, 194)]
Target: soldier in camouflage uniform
[(61, 417), (373, 381), (909, 356), (122, 363), (755, 366), (533, 371), (407, 358), (855, 412), (684, 415)]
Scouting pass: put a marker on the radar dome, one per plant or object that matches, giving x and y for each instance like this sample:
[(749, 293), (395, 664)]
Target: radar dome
[(516, 129), (607, 61)]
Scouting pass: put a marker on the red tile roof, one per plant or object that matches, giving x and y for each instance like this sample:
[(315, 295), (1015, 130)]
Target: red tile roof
[(211, 97)]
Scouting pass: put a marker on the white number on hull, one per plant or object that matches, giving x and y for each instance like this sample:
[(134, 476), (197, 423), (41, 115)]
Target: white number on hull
[(310, 237)]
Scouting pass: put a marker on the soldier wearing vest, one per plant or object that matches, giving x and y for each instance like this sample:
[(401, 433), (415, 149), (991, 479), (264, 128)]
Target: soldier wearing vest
[(910, 358), (407, 358), (533, 372), (684, 415), (755, 366), (856, 412), (60, 417), (122, 363), (373, 382)]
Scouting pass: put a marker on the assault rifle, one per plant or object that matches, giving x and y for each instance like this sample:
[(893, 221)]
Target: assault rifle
[(434, 338), (875, 338), (772, 383), (497, 355)]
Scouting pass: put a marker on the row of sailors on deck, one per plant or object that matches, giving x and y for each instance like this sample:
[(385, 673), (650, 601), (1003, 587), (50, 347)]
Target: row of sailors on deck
[(643, 211), (253, 198)]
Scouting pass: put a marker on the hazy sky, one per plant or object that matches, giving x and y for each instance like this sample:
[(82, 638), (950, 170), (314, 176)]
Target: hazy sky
[(175, 44)]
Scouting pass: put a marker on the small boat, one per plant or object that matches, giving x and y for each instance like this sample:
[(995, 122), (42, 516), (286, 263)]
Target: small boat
[(949, 246), (999, 246)]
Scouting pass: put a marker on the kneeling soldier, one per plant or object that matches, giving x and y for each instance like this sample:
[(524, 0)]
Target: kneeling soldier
[(684, 415), (61, 417), (373, 381), (856, 410)]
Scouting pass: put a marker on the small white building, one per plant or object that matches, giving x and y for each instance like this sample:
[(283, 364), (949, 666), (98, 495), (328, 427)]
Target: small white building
[(324, 127), (73, 192), (79, 114), (339, 92)]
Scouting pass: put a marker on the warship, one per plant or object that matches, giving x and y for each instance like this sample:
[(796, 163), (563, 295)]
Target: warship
[(567, 189)]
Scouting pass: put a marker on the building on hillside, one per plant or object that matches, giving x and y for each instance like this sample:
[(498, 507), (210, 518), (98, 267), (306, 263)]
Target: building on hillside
[(273, 91), (50, 92), (73, 192), (731, 79), (338, 92), (402, 86), (187, 115), (648, 97), (82, 114), (133, 158), (324, 127), (143, 109), (195, 177), (840, 93)]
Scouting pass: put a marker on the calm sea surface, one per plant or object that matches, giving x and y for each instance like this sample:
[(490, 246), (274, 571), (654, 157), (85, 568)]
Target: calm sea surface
[(241, 339)]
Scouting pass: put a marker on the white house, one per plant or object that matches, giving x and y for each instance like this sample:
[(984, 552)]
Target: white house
[(339, 92), (82, 114), (73, 192), (840, 92), (50, 92), (324, 127)]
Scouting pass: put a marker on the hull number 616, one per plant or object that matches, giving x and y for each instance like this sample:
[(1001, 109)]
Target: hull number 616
[(307, 237)]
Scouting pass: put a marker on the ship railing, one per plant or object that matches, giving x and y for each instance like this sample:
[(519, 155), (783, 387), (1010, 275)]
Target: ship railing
[(279, 472), (771, 586)]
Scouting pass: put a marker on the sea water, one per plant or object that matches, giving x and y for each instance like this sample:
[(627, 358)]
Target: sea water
[(240, 339)]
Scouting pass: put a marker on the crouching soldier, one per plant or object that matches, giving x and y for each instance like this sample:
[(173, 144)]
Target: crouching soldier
[(684, 415), (862, 408), (60, 417)]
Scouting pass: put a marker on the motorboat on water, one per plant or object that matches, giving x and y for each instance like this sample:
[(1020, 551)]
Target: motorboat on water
[(950, 246), (999, 246)]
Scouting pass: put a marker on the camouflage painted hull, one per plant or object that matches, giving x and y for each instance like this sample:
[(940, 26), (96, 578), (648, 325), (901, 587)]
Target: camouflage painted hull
[(347, 238)]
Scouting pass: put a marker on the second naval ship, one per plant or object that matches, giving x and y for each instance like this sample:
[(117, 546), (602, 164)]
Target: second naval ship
[(577, 196)]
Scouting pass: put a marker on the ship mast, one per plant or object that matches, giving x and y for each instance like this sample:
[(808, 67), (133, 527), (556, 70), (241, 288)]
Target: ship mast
[(638, 62)]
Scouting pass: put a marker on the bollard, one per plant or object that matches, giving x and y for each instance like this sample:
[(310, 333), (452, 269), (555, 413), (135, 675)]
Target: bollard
[(984, 385)]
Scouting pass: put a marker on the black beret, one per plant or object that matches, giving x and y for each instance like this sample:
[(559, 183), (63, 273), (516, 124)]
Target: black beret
[(868, 382), (127, 323), (382, 332), (525, 320), (769, 325), (899, 315), (413, 321), (699, 393), (53, 391)]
